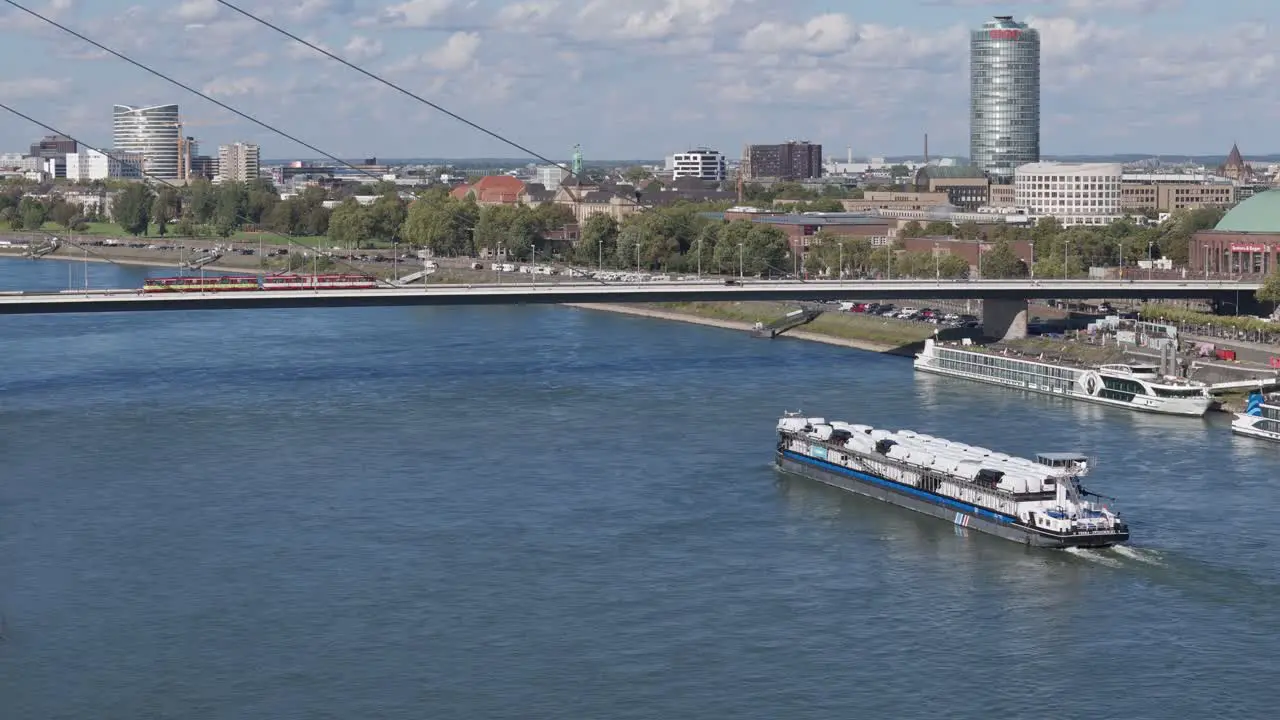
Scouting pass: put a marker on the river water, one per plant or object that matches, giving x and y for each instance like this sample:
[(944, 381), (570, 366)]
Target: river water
[(531, 512)]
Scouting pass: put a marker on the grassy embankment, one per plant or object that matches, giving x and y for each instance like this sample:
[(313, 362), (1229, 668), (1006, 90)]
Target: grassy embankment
[(842, 325), (112, 230)]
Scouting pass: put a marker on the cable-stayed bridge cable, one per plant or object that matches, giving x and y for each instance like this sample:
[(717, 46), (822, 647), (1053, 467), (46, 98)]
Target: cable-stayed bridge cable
[(188, 88), (291, 240), (408, 93)]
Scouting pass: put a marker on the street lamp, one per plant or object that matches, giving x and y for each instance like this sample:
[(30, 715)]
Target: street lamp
[(699, 256), (600, 266), (937, 264), (1151, 267), (741, 275), (1066, 247), (841, 246), (637, 256)]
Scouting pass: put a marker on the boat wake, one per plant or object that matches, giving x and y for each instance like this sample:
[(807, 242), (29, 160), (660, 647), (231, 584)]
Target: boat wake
[(1142, 555), (1094, 555)]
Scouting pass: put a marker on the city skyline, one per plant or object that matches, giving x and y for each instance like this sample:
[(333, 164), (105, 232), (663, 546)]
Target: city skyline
[(1125, 76)]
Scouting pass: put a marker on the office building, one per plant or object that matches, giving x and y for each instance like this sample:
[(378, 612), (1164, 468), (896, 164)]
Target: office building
[(966, 186), (1004, 97), (53, 146), (788, 161), (550, 176), (85, 165), (238, 162), (154, 132), (701, 163), (1074, 193)]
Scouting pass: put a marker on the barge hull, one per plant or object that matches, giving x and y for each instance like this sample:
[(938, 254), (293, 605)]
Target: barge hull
[(848, 481)]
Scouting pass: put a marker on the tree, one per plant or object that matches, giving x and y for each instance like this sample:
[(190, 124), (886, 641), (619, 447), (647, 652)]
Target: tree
[(1001, 262), (33, 213), (704, 248), (445, 227), (493, 227), (728, 255), (259, 199), (635, 175), (163, 209), (131, 208), (766, 250), (1270, 290), (349, 224), (64, 213), (911, 229), (229, 211), (952, 267), (969, 230), (202, 200), (599, 237), (10, 215), (941, 228), (386, 216)]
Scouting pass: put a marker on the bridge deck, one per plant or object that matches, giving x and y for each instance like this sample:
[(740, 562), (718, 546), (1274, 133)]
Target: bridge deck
[(127, 300)]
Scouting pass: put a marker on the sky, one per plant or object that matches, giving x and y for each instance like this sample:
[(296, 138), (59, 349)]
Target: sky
[(646, 78)]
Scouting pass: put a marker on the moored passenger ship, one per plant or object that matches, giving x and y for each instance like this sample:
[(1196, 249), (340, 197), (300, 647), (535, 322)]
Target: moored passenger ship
[(1132, 386), (1260, 419), (1038, 502)]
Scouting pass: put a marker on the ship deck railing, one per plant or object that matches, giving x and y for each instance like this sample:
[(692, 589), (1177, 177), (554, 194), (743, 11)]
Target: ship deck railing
[(931, 480)]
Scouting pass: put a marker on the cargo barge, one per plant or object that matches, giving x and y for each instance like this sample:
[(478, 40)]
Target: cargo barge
[(1036, 502)]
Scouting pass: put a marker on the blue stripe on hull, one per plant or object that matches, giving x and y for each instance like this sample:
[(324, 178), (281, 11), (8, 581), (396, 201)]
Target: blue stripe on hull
[(904, 489)]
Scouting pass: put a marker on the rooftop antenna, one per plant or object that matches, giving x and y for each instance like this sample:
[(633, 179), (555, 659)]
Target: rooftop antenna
[(926, 148)]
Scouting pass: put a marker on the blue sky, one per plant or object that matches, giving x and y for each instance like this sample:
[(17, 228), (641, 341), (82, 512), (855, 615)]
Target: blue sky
[(644, 78)]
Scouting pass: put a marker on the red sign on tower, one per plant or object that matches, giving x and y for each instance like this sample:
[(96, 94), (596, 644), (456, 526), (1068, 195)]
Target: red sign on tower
[(1004, 34)]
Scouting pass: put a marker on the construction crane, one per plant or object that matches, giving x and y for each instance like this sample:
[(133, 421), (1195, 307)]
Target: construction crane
[(184, 148)]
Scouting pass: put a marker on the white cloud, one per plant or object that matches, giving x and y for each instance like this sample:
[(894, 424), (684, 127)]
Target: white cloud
[(32, 87), (1113, 6), (254, 59), (360, 48), (650, 19), (456, 53), (821, 35), (523, 15), (412, 13), (197, 11), (236, 87)]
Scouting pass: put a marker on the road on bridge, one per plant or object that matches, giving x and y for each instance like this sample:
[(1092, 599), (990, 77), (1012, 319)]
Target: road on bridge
[(79, 301)]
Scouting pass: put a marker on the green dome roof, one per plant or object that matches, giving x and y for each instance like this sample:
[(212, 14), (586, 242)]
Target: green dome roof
[(1258, 214)]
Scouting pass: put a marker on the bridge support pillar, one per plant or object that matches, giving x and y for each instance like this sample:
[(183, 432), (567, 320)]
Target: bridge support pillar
[(1004, 319)]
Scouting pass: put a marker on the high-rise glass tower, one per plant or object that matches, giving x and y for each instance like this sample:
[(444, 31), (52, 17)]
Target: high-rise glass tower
[(152, 132), (1004, 97)]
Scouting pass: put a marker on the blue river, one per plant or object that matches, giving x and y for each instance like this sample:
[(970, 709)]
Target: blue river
[(541, 512)]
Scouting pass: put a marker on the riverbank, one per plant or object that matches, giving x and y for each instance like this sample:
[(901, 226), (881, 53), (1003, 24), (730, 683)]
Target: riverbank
[(842, 329), (64, 256)]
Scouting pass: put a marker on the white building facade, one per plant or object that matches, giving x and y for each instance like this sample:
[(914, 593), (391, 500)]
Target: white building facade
[(702, 164), (550, 176), (87, 165), (239, 162), (152, 131), (1074, 193)]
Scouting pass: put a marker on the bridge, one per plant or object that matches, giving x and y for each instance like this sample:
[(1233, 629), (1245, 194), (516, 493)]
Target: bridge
[(1004, 306)]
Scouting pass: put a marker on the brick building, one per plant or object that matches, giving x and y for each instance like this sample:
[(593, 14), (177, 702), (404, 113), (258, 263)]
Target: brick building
[(1245, 242)]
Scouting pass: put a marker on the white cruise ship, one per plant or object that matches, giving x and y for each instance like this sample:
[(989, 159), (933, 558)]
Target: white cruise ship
[(1134, 386), (1260, 419)]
